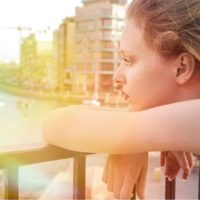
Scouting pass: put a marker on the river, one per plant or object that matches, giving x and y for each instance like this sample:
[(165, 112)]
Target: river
[(20, 120)]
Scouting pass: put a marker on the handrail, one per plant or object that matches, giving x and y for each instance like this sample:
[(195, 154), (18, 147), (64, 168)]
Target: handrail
[(35, 155), (44, 153), (199, 176)]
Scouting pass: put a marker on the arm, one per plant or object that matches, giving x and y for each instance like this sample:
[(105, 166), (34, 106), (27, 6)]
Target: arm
[(169, 127)]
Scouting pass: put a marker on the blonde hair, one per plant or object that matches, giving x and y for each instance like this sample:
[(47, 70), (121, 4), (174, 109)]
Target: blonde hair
[(170, 26)]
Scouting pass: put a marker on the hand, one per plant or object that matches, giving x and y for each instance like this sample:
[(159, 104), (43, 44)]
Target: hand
[(173, 161), (122, 172)]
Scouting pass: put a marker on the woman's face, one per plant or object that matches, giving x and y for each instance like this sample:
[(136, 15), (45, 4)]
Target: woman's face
[(146, 78)]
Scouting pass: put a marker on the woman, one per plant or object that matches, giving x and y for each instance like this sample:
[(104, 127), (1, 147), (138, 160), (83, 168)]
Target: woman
[(159, 77)]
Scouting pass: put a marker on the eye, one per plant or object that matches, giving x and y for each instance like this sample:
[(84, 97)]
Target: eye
[(126, 62)]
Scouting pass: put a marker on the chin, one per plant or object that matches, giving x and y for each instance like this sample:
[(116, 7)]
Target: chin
[(138, 107), (135, 107)]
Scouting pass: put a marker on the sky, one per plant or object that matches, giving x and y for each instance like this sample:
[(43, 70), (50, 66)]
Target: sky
[(36, 14)]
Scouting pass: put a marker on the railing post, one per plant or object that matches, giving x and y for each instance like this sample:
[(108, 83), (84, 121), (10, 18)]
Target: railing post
[(79, 177), (11, 183), (170, 188), (199, 177)]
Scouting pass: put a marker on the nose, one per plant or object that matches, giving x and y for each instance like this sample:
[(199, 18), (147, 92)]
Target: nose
[(119, 78)]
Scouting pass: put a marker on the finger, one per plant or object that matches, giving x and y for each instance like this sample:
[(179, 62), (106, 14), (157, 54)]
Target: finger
[(117, 185), (105, 172), (184, 164), (141, 182), (174, 170), (185, 175), (182, 160), (190, 163), (170, 160), (128, 184), (163, 155), (189, 157), (110, 179)]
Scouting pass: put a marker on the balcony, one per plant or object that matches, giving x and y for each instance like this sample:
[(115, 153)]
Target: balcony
[(26, 155), (38, 154)]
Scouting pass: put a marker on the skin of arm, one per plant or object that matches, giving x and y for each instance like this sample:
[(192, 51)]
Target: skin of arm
[(169, 127)]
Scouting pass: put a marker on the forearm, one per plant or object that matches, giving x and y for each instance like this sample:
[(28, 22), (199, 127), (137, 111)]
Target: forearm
[(160, 128), (169, 127), (87, 130)]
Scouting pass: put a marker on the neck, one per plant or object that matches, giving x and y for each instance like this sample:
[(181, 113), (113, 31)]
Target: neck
[(187, 94)]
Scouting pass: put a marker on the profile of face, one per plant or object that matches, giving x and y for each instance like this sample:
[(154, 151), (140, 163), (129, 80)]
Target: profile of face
[(145, 77)]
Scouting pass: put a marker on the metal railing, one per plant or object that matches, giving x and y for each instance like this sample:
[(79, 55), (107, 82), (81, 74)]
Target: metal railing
[(38, 155), (50, 153)]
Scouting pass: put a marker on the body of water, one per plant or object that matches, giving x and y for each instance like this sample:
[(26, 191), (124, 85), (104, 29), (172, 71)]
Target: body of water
[(21, 119)]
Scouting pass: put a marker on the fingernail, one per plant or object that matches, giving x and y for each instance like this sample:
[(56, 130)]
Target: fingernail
[(184, 180), (170, 179)]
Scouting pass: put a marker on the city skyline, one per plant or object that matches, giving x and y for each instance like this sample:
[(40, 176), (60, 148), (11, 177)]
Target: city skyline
[(38, 17), (34, 14)]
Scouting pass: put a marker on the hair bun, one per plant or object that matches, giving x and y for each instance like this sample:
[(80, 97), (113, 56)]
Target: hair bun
[(168, 43)]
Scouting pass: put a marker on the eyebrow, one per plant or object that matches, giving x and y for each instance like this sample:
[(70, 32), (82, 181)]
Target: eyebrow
[(126, 54)]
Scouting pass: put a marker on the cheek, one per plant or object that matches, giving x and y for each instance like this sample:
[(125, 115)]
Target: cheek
[(138, 76), (136, 81), (143, 83)]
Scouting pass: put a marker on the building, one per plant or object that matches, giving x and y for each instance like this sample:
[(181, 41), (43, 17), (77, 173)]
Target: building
[(28, 60), (65, 39), (99, 24), (46, 65), (35, 59)]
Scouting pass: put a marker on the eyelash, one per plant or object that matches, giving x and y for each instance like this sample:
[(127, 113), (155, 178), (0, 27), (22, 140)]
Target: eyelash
[(126, 62)]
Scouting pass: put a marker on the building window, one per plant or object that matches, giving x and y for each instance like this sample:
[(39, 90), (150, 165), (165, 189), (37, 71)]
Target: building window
[(108, 44), (106, 66), (84, 66), (106, 33), (107, 12), (92, 25), (68, 76), (106, 22), (106, 83), (107, 55)]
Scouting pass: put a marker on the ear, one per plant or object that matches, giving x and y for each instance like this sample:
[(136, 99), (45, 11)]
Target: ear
[(185, 68)]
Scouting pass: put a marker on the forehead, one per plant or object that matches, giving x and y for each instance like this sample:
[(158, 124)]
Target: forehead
[(132, 38)]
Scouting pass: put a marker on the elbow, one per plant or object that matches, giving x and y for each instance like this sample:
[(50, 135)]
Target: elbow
[(56, 128)]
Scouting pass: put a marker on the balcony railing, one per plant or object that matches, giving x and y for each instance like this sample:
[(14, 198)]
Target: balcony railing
[(44, 153)]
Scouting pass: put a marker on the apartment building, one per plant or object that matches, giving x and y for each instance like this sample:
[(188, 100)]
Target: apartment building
[(28, 60), (99, 24), (35, 59), (65, 39)]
